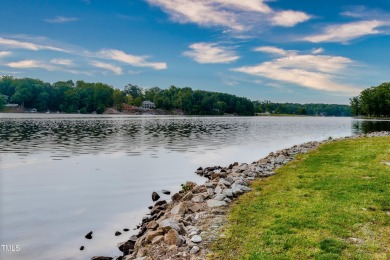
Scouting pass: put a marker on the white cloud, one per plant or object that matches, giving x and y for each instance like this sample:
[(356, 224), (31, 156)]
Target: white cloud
[(274, 50), (311, 71), (61, 19), (40, 64), (5, 54), (116, 69), (346, 32), (317, 51), (204, 13), (65, 62), (30, 64), (253, 5), (289, 18), (16, 44), (236, 15), (210, 53), (137, 61)]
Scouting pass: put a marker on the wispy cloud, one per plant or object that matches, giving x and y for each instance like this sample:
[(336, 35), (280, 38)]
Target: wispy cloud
[(136, 61), (61, 19), (17, 44), (5, 54), (210, 53), (289, 18), (365, 13), (311, 71), (29, 64), (81, 54), (65, 62), (116, 69), (41, 64), (317, 51), (274, 50), (235, 15), (345, 32)]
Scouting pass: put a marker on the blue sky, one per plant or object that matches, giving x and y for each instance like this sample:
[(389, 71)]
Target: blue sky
[(280, 50)]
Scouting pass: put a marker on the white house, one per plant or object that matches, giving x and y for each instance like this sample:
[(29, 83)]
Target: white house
[(148, 104)]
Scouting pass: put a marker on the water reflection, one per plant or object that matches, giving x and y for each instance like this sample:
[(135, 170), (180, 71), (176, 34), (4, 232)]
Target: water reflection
[(131, 135), (65, 175), (368, 126)]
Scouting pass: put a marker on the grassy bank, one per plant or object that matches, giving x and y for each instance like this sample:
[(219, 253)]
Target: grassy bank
[(333, 203)]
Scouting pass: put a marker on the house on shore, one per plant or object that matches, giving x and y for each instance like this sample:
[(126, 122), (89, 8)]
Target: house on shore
[(148, 105), (8, 105)]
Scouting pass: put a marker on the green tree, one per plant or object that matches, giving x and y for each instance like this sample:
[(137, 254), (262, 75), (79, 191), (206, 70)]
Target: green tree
[(138, 101), (3, 101), (133, 90), (374, 101), (118, 99)]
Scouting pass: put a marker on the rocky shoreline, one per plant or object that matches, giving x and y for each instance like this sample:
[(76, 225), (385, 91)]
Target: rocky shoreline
[(185, 227)]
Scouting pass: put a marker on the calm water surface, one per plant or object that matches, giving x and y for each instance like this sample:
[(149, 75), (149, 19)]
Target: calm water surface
[(62, 176)]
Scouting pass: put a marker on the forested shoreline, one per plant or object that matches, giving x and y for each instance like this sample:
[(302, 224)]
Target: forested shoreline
[(83, 97), (372, 102)]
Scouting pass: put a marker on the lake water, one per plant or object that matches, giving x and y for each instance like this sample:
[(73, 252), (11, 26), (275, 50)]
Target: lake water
[(62, 176)]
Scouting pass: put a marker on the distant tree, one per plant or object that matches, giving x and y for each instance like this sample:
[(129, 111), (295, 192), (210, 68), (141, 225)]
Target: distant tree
[(374, 101), (302, 111), (118, 99), (7, 86), (3, 101), (133, 90), (138, 101)]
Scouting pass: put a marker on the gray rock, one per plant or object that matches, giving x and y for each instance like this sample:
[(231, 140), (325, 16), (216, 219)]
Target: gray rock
[(245, 188), (196, 239), (224, 182), (194, 250), (215, 203), (198, 199), (219, 197), (227, 192), (236, 189), (169, 223), (280, 158), (229, 179), (218, 189), (209, 185), (179, 209)]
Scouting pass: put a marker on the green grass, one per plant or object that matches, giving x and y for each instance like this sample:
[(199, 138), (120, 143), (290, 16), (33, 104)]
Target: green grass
[(333, 203)]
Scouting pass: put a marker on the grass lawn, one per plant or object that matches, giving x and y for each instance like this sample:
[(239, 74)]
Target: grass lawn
[(333, 203)]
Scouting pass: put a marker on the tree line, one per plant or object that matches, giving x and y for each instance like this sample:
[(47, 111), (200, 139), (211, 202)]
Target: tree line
[(374, 101), (83, 97), (268, 107)]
